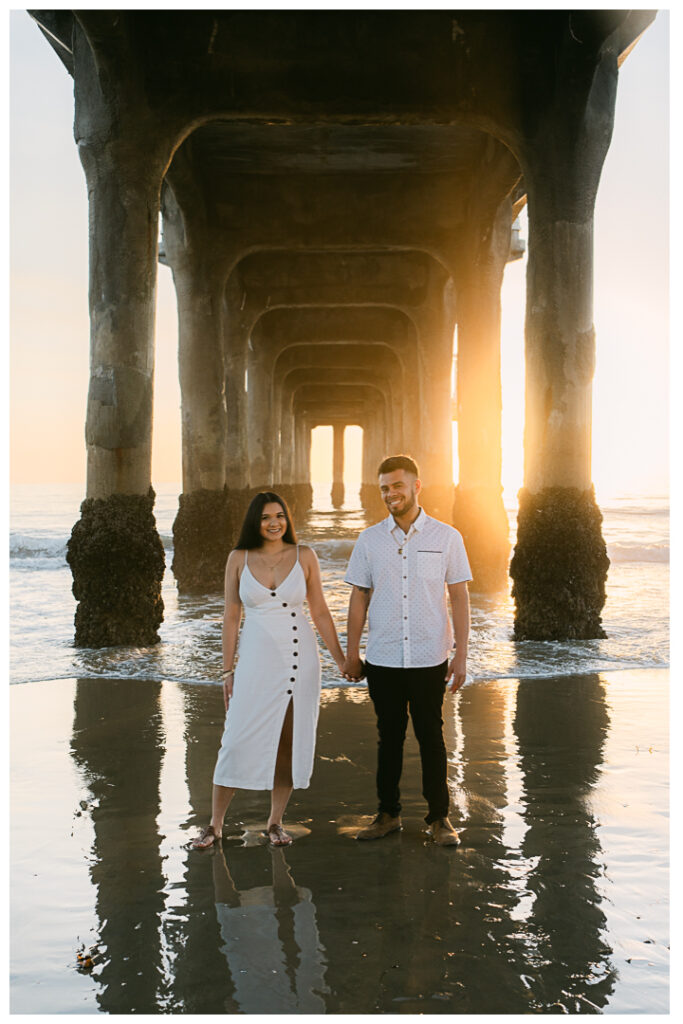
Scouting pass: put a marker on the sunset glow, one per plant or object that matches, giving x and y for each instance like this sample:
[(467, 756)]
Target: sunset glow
[(49, 316)]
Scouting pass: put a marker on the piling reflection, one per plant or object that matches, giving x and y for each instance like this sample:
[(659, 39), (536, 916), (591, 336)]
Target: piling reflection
[(337, 495), (561, 731), (475, 733), (117, 744), (201, 983), (203, 729)]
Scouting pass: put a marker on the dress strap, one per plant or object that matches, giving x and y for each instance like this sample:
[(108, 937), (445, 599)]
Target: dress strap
[(245, 557), (297, 552)]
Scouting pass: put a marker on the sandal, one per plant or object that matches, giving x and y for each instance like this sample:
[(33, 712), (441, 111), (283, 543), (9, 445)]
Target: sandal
[(278, 836), (200, 842)]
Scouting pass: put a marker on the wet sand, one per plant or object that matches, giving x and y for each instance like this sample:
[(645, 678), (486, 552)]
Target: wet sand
[(556, 901)]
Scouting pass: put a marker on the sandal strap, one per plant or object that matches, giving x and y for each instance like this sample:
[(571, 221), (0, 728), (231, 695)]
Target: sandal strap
[(208, 831), (279, 833)]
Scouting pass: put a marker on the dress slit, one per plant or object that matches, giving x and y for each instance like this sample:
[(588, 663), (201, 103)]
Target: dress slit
[(279, 742)]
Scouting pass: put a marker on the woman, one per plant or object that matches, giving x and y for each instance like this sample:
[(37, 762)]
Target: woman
[(272, 694)]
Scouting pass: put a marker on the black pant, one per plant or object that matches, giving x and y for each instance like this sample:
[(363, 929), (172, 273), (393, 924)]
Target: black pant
[(395, 691)]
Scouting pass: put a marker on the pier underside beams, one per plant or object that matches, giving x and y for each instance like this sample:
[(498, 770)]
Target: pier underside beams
[(337, 190)]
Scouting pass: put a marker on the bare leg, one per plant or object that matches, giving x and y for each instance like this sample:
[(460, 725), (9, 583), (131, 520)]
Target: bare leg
[(282, 786), (222, 795)]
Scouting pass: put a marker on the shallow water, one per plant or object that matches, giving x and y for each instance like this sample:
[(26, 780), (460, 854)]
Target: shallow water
[(556, 900), (635, 614)]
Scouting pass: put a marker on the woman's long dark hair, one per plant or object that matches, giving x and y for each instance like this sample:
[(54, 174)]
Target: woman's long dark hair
[(250, 534)]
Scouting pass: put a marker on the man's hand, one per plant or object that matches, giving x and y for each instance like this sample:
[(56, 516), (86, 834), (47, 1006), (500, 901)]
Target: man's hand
[(456, 671), (353, 669), (358, 610)]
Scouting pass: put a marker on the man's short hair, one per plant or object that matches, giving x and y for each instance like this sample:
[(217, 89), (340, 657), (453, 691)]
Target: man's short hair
[(395, 462)]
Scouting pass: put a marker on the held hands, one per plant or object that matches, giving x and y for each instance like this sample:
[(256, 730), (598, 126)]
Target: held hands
[(456, 671), (353, 669)]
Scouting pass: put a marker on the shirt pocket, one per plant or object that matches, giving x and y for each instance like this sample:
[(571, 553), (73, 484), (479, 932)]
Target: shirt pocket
[(429, 564)]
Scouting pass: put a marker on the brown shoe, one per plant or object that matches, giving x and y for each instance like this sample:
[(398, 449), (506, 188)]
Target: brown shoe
[(443, 833), (380, 827)]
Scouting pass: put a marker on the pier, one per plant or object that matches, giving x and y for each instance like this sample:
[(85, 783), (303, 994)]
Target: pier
[(336, 193)]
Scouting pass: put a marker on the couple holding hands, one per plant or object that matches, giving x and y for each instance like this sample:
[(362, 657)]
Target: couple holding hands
[(399, 572)]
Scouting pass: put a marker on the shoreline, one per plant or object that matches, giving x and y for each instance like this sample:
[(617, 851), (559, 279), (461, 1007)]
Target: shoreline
[(477, 680), (555, 900)]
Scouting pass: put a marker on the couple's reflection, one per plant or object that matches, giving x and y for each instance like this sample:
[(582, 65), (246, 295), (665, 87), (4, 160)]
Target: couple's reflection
[(269, 935)]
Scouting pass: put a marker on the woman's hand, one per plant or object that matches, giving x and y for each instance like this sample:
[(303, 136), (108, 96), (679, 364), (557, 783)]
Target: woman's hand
[(341, 665), (353, 669), (228, 682)]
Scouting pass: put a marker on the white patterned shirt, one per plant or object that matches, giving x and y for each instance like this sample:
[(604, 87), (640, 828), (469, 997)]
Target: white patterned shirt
[(408, 621)]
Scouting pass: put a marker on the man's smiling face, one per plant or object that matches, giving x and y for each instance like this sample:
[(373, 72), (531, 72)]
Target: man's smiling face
[(399, 490)]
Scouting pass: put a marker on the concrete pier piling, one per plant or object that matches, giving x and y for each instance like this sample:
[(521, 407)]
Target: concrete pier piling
[(338, 190)]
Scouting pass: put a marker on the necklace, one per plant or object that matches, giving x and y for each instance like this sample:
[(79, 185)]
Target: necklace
[(277, 560), (402, 543)]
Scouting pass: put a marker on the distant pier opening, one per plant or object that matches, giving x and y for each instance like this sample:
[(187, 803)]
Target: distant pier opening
[(321, 455), (339, 472)]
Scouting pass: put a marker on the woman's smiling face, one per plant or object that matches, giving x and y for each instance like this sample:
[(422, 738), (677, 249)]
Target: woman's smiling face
[(273, 521)]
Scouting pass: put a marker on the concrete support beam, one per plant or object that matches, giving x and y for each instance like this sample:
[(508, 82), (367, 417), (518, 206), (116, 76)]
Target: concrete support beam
[(202, 531), (188, 244), (433, 446), (478, 511), (260, 439), (375, 449), (560, 562), (235, 350), (286, 447), (302, 463), (338, 464), (338, 453), (115, 553), (123, 215)]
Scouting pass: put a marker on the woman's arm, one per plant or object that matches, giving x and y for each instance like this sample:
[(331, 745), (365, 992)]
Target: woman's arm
[(317, 604), (232, 616)]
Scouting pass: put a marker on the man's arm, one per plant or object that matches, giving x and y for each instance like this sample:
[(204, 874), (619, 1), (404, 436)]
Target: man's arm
[(358, 610), (460, 609)]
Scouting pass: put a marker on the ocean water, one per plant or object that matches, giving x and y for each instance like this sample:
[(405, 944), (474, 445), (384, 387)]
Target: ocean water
[(635, 617)]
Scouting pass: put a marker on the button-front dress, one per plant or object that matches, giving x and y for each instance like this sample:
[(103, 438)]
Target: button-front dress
[(278, 663)]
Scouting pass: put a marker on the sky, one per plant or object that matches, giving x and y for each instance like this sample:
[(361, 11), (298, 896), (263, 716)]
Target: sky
[(49, 284)]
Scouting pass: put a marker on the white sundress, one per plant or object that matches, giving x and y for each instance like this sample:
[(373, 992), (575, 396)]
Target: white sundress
[(278, 663)]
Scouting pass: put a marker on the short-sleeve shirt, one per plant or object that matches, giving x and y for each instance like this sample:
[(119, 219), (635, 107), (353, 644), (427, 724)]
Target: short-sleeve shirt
[(408, 621)]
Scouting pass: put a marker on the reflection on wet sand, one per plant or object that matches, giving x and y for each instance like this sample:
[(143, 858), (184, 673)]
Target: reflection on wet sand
[(513, 921), (117, 744), (561, 734), (410, 928), (270, 937)]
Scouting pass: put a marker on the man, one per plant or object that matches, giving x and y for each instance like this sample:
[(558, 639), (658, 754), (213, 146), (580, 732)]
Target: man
[(399, 571)]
